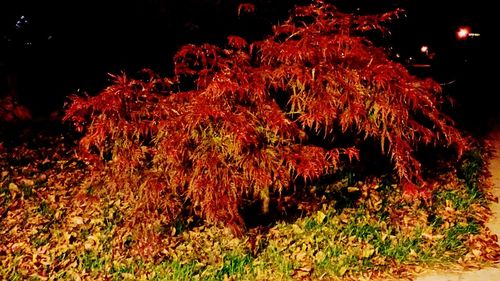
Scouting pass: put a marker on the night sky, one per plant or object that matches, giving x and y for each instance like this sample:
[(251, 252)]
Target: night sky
[(56, 48)]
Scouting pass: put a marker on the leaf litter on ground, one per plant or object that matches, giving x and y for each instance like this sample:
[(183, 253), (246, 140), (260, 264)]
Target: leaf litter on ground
[(54, 226)]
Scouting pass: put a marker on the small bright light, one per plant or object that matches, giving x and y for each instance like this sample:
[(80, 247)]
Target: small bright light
[(424, 49), (463, 32)]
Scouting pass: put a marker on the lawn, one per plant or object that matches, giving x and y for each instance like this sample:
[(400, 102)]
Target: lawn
[(55, 226)]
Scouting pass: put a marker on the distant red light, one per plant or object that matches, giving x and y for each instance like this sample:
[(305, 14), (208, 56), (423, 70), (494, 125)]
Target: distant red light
[(463, 32)]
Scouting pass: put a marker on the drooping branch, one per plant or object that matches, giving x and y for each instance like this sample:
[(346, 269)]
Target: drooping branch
[(236, 122)]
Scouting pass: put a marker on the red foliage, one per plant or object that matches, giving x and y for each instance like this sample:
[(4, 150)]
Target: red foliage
[(248, 8), (244, 128), (11, 111)]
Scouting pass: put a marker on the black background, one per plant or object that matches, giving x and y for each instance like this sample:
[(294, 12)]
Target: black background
[(69, 46)]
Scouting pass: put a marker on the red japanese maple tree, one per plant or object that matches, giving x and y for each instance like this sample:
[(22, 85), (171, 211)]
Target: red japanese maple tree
[(237, 121)]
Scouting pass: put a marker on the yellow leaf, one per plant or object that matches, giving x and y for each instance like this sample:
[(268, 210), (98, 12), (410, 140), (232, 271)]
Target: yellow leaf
[(27, 182), (35, 276), (368, 252), (320, 256), (342, 270), (127, 276), (300, 256), (352, 189), (77, 220), (377, 205), (413, 253), (297, 229), (476, 253), (320, 217), (88, 245), (13, 189)]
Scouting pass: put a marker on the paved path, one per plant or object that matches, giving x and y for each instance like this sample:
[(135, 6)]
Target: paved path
[(487, 274)]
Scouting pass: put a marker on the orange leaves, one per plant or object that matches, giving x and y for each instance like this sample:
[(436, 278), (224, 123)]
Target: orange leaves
[(368, 23), (483, 246), (240, 120), (190, 59), (310, 162), (351, 152), (412, 192), (335, 78), (247, 8), (237, 42)]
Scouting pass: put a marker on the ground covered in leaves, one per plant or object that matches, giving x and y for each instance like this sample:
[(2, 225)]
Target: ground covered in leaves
[(54, 227)]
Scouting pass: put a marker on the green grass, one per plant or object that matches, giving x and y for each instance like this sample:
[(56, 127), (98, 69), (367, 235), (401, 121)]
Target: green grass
[(91, 261), (45, 210), (340, 238), (235, 266), (457, 235)]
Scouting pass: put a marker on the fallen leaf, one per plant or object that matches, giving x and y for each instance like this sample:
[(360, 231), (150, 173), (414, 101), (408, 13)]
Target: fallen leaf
[(14, 189), (28, 182), (320, 217), (77, 220)]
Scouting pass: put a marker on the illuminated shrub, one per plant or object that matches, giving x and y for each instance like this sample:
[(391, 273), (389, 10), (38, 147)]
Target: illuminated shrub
[(249, 119)]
